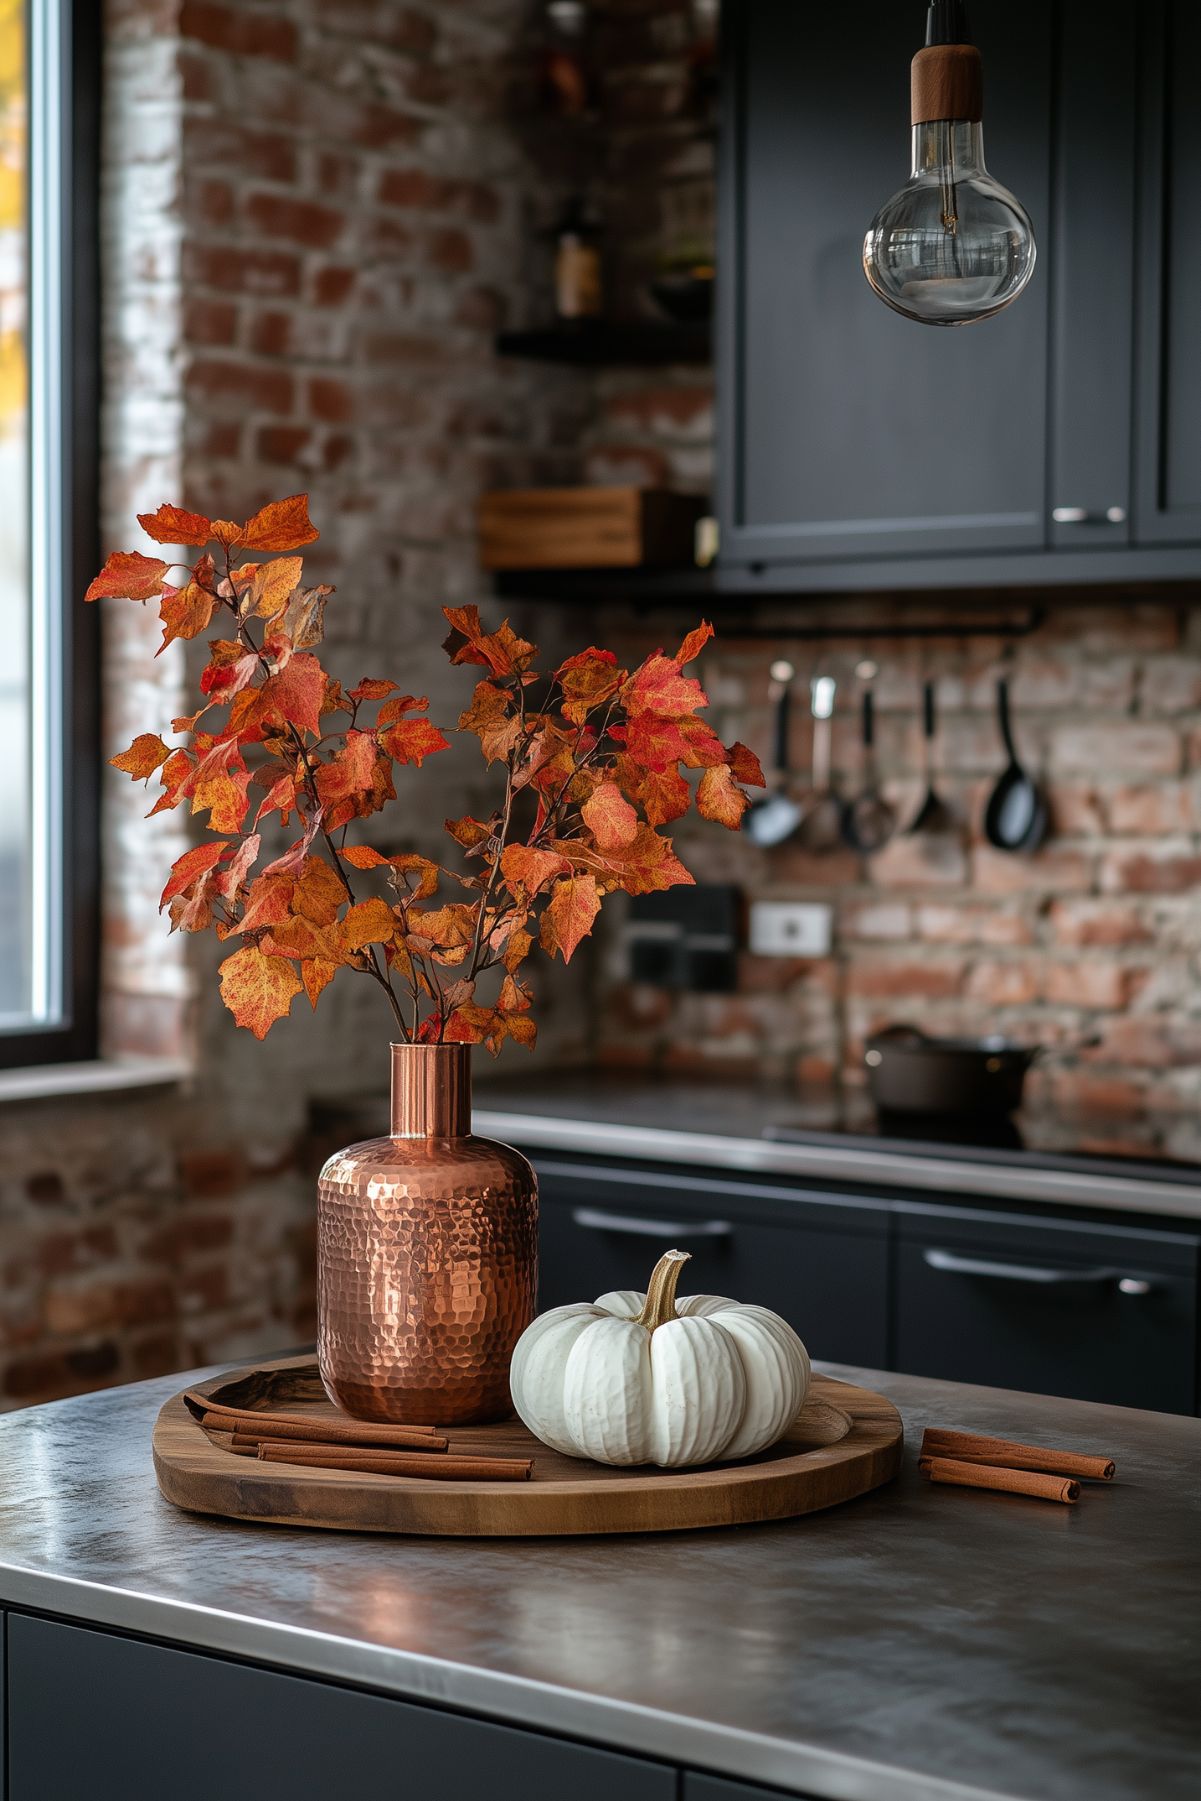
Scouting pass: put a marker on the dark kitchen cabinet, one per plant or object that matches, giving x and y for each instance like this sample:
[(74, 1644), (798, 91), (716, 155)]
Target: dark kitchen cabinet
[(1100, 1313), (1060, 440), (716, 1788), (114, 1719), (822, 1263), (1168, 443)]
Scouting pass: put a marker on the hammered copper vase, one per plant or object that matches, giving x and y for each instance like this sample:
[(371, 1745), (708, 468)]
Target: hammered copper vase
[(427, 1255)]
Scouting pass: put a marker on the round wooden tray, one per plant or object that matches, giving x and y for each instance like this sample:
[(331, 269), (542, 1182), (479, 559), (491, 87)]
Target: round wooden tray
[(846, 1441)]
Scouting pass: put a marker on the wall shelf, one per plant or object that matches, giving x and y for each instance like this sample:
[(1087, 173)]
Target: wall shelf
[(595, 344)]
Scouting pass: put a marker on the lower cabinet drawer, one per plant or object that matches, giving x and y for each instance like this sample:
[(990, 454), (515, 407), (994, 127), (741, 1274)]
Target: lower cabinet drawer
[(1097, 1313), (822, 1265), (104, 1718)]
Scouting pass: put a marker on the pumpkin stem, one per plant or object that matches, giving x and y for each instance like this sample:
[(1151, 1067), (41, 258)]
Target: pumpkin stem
[(660, 1304)]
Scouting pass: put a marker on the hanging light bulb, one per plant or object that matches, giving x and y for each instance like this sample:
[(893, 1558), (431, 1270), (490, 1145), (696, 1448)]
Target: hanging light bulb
[(953, 245)]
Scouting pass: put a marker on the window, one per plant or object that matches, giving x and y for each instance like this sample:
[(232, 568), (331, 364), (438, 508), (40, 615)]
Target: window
[(48, 535)]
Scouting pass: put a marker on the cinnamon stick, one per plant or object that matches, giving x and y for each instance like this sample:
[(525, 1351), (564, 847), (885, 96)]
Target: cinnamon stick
[(255, 1417), (970, 1447), (325, 1432), (441, 1468), (1011, 1482)]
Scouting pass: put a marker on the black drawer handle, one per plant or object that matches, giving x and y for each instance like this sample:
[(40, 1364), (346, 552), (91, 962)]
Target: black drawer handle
[(951, 1264), (633, 1225)]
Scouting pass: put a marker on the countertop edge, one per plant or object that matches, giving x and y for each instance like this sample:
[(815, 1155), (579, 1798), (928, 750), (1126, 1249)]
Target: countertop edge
[(944, 1173), (617, 1726)]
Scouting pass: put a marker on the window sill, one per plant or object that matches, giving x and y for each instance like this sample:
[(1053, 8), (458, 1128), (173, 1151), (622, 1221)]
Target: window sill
[(48, 1081)]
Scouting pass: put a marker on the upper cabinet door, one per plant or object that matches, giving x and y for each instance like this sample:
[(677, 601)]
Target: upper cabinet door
[(1168, 430), (847, 431)]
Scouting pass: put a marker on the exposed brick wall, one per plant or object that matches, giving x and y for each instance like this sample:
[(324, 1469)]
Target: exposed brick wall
[(1098, 936), (313, 227)]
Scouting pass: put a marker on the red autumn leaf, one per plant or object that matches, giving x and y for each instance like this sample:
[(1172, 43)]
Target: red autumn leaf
[(719, 797), (586, 680), (224, 793), (369, 689), (659, 687), (694, 643), (185, 613), (295, 854), (527, 871), (493, 719), (294, 696), (412, 740), (316, 974), (268, 903), (345, 777), (146, 754), (663, 794), (502, 651), (609, 817), (280, 798), (127, 575), (258, 989), (282, 525), (660, 743), (369, 922), (430, 1029), (175, 525), (174, 773), (745, 766), (194, 863), (570, 912), (448, 931), (468, 1024), (230, 667)]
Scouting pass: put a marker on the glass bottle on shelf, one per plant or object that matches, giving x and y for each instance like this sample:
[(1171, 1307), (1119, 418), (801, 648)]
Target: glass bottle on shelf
[(579, 292)]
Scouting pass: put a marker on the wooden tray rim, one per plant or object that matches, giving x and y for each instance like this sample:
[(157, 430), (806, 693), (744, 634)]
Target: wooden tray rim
[(869, 1453)]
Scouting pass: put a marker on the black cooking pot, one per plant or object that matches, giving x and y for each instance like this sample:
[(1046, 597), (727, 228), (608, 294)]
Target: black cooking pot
[(908, 1072)]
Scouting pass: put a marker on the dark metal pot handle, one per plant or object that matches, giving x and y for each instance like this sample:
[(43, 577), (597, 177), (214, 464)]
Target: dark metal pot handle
[(593, 1220)]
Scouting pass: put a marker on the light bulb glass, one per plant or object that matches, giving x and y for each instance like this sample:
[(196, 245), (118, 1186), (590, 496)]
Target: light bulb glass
[(953, 245)]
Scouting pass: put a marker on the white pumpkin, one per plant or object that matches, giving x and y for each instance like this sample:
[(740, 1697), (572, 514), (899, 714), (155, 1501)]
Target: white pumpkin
[(639, 1378)]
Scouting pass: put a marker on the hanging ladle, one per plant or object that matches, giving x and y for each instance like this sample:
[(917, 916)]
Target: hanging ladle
[(934, 815), (821, 826), (775, 815), (868, 821), (1017, 816)]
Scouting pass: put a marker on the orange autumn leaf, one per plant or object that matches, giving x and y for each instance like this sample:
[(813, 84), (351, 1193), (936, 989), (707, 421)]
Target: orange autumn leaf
[(319, 892), (609, 817), (369, 922), (350, 774), (694, 643), (659, 686), (363, 856), (316, 974), (224, 794), (502, 651), (660, 743), (127, 575), (282, 525), (258, 989), (412, 741), (185, 613), (718, 797), (193, 864), (294, 696), (272, 584), (418, 876), (268, 902), (569, 916), (468, 832), (527, 871), (175, 525), (663, 794), (586, 680), (146, 754), (493, 719), (369, 689), (280, 798)]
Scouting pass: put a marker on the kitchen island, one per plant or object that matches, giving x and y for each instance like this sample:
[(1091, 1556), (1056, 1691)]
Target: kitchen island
[(919, 1642)]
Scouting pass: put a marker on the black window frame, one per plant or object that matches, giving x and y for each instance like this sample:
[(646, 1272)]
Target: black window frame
[(75, 1037)]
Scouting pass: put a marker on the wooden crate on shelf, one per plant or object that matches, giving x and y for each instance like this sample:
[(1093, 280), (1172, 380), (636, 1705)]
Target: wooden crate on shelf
[(587, 528)]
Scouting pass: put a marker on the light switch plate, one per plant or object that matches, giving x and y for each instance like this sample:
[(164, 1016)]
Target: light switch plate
[(790, 929)]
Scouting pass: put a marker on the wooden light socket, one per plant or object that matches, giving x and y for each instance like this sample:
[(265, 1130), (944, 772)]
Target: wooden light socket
[(946, 81)]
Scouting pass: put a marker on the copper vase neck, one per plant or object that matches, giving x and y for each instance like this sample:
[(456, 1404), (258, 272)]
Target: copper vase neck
[(431, 1090)]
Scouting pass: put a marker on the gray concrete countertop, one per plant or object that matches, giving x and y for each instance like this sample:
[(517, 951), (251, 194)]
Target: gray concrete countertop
[(918, 1643)]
